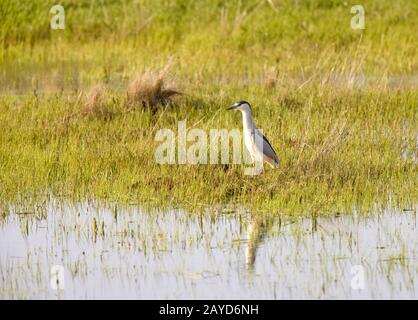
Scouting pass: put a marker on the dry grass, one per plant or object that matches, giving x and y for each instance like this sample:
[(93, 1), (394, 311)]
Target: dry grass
[(94, 104), (149, 90)]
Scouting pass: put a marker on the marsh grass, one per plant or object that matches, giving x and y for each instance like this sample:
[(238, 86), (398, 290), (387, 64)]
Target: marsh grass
[(95, 104), (338, 149), (338, 105)]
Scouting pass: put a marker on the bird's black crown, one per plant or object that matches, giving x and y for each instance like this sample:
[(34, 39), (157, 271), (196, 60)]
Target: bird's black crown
[(242, 102)]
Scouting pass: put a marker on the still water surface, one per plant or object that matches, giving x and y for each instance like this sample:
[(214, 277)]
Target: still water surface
[(108, 252)]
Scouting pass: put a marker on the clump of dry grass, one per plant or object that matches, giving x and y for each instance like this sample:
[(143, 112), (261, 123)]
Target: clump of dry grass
[(149, 90), (94, 104), (270, 80)]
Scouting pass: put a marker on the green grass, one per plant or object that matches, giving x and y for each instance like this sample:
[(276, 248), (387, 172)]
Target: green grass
[(337, 104)]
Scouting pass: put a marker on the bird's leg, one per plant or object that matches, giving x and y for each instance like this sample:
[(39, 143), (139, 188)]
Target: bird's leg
[(257, 169), (262, 167)]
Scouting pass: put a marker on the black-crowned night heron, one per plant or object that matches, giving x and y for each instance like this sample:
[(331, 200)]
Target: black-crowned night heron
[(256, 143)]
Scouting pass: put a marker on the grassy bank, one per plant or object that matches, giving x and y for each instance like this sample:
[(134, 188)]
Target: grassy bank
[(337, 149), (339, 105)]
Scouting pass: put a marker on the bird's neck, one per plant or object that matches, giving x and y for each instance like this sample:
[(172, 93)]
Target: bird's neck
[(247, 121)]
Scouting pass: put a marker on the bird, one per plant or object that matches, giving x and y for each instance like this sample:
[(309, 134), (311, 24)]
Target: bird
[(256, 143)]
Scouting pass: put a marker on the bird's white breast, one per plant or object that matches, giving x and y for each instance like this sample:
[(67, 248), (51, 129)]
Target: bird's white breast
[(250, 130)]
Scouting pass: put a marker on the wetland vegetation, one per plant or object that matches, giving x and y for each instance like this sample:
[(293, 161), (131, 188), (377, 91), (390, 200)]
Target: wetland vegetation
[(339, 105), (80, 187)]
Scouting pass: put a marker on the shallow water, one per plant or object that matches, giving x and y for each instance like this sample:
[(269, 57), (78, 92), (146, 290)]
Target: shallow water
[(108, 252), (74, 75)]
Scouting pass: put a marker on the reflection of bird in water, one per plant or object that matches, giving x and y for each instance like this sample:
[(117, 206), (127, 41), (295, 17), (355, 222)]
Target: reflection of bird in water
[(255, 234)]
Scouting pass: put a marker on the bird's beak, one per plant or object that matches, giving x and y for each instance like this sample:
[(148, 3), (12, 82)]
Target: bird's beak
[(232, 108)]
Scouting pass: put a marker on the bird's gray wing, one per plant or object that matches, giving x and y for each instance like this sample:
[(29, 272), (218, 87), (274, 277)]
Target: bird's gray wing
[(268, 150)]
